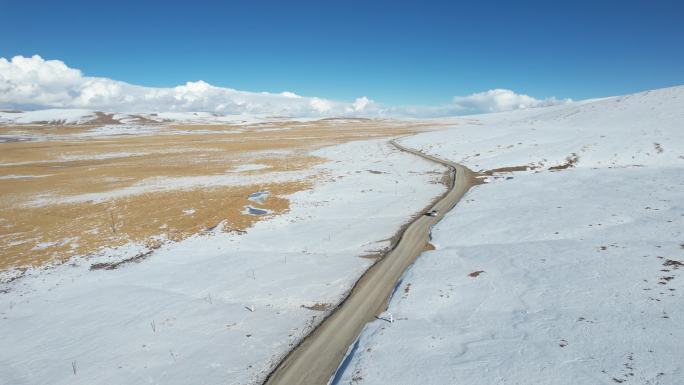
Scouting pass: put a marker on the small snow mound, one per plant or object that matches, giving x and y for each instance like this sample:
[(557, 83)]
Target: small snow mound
[(250, 210), (259, 196)]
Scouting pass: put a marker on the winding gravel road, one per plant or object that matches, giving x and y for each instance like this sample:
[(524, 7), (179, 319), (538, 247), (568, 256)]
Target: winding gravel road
[(314, 361)]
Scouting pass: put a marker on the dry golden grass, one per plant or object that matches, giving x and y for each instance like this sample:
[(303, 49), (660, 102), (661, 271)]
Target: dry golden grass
[(48, 218)]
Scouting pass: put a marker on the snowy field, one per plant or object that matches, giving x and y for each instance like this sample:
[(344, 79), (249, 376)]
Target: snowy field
[(565, 276), (217, 308)]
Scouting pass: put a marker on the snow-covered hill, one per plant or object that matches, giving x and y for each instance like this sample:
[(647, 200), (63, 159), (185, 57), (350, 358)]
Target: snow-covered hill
[(73, 116), (568, 273)]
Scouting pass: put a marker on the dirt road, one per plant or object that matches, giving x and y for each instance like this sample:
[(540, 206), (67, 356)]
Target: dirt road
[(315, 360)]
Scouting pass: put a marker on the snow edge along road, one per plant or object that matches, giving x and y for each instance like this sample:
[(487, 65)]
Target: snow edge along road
[(317, 357)]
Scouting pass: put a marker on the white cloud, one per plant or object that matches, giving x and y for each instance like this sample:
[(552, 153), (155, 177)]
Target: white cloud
[(35, 82), (290, 94), (320, 105), (32, 82), (498, 100), (361, 103)]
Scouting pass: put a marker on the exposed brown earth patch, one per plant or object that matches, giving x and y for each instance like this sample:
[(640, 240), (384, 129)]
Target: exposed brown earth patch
[(319, 306), (507, 169), (113, 265), (477, 178), (476, 273), (658, 147), (103, 118), (407, 289), (570, 161), (673, 264)]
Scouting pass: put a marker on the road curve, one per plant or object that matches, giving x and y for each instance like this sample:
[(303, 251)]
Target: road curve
[(315, 359)]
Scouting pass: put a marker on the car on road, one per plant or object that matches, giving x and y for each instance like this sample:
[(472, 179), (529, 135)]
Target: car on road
[(431, 213)]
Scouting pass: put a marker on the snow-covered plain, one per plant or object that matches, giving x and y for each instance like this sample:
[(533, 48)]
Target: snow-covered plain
[(567, 276), (217, 308)]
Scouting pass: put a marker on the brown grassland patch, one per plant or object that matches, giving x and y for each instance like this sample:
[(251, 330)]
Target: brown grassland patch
[(46, 215)]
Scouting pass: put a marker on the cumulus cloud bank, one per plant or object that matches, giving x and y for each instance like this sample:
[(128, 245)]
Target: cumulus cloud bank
[(32, 82), (35, 82)]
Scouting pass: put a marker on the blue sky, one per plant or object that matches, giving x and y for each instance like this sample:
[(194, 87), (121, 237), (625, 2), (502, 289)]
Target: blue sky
[(391, 51)]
